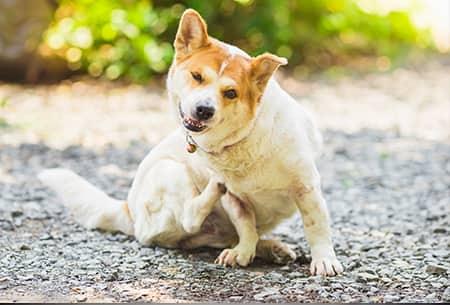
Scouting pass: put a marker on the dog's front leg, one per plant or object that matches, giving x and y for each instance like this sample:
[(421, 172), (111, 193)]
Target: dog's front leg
[(317, 231), (242, 216)]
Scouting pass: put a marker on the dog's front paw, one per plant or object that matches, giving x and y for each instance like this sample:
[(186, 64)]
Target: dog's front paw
[(233, 257), (326, 266)]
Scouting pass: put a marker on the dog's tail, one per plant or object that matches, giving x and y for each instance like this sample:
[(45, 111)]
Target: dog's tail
[(91, 207)]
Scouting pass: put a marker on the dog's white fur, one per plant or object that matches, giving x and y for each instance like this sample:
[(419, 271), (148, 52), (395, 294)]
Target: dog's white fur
[(176, 200)]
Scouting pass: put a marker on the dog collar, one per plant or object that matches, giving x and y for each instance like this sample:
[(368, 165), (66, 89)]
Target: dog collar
[(192, 146)]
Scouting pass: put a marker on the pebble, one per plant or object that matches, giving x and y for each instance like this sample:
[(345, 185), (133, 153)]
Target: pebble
[(15, 214), (436, 269), (391, 298), (263, 295), (440, 230), (24, 247), (446, 295), (295, 275), (81, 298), (364, 277)]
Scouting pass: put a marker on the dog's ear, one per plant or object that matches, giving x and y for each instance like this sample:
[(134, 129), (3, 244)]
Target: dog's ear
[(263, 66), (192, 33)]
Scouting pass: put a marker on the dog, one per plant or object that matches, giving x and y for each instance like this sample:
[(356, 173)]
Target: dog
[(242, 160)]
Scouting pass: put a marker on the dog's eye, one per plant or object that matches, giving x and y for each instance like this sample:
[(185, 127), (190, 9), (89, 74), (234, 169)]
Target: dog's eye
[(197, 76), (230, 94)]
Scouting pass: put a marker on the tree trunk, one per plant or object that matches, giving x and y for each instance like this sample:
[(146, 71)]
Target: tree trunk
[(22, 24)]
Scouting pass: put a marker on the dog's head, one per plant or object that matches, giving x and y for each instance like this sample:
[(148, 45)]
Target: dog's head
[(216, 87)]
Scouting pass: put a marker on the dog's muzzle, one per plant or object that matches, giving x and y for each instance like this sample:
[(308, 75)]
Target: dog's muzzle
[(190, 123)]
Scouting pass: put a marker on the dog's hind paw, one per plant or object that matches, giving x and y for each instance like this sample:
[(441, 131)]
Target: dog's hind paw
[(282, 254), (233, 257)]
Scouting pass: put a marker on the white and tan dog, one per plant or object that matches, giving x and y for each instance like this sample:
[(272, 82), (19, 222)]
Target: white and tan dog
[(254, 165)]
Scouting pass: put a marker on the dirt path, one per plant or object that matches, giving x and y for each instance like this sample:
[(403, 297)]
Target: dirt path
[(386, 176)]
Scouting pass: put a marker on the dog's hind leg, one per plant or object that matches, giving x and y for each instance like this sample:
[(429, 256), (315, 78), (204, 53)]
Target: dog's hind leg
[(166, 204), (275, 251), (216, 232)]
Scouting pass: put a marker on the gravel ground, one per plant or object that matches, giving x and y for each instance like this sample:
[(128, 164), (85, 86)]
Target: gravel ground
[(387, 185)]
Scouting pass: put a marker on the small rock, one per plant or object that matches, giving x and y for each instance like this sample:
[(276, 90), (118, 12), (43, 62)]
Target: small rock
[(16, 213), (46, 237), (277, 277), (441, 253), (312, 287), (295, 274), (350, 290), (373, 253), (390, 298), (265, 294), (347, 298), (113, 277), (336, 286), (364, 277), (353, 265), (436, 269), (440, 230), (6, 225), (446, 295), (431, 297), (81, 298), (24, 248), (373, 289), (369, 270)]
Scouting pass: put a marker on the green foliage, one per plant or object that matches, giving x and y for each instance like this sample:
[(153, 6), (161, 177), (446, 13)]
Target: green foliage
[(133, 39), (3, 123), (3, 104), (113, 38)]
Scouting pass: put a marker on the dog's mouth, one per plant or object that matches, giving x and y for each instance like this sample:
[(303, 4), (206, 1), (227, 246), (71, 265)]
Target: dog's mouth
[(193, 125), (190, 123)]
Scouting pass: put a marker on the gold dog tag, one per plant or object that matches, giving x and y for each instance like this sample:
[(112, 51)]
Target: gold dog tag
[(191, 148)]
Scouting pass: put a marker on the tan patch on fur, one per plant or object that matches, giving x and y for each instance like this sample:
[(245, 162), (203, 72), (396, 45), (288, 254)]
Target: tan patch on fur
[(127, 210), (242, 208), (236, 67), (300, 190), (309, 221)]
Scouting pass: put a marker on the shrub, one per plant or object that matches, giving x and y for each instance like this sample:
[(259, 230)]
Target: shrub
[(133, 39)]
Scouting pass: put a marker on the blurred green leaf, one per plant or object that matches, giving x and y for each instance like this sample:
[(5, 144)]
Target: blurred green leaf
[(132, 39), (4, 102), (3, 123)]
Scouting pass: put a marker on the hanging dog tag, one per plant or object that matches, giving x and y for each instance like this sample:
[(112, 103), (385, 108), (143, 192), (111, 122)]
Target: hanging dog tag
[(191, 148)]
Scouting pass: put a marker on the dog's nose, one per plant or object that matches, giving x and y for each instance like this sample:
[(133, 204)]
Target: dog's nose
[(204, 111)]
